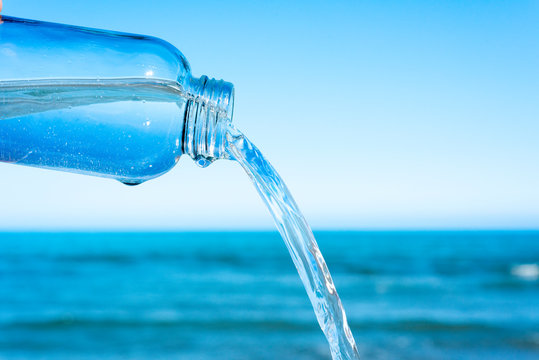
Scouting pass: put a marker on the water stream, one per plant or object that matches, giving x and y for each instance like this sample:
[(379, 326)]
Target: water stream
[(300, 242)]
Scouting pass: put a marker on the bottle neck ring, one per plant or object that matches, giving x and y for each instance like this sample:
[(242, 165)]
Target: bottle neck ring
[(209, 112)]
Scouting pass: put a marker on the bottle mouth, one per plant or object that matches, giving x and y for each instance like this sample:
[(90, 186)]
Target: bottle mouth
[(209, 112)]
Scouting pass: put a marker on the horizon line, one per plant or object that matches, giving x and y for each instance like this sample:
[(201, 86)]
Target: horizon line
[(259, 230)]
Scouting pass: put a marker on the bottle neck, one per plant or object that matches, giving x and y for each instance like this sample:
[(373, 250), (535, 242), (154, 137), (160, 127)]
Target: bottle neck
[(209, 112)]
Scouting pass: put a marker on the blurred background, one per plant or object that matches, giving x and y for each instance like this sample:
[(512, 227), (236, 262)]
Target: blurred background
[(407, 131), (396, 115)]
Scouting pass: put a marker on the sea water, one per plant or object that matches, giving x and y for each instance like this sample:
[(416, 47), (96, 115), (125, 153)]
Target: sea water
[(132, 130), (415, 295)]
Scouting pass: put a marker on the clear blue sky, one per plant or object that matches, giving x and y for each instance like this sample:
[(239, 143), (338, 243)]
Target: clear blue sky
[(404, 114)]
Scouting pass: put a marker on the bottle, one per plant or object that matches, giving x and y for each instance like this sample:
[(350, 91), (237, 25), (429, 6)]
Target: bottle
[(104, 103)]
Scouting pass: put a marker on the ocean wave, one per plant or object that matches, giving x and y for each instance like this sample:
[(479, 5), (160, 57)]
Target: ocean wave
[(189, 324), (426, 325), (232, 260), (403, 325), (526, 271)]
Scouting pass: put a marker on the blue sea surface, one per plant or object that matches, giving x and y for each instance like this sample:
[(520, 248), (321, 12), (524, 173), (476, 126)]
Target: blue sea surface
[(227, 295)]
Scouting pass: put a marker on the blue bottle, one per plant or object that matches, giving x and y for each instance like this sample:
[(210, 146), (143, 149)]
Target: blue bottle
[(104, 103)]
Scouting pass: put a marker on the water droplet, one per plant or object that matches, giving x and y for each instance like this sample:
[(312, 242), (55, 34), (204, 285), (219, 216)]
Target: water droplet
[(202, 161), (130, 183)]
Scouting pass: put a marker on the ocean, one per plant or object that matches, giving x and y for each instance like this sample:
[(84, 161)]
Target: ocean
[(236, 295)]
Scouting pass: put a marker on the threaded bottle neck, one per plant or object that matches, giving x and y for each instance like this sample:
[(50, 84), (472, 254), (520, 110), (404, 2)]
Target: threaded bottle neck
[(208, 113)]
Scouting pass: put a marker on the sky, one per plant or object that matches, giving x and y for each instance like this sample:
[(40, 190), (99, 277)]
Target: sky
[(378, 115)]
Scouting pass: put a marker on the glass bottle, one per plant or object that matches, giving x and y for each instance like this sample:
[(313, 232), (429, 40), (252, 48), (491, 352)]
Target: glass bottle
[(104, 103)]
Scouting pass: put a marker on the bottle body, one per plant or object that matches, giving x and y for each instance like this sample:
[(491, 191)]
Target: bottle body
[(103, 103)]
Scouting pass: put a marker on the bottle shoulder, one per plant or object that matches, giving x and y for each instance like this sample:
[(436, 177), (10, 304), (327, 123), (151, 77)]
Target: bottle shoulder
[(170, 63)]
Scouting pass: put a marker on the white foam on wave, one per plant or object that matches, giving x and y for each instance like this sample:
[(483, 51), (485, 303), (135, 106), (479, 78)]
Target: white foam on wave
[(526, 271)]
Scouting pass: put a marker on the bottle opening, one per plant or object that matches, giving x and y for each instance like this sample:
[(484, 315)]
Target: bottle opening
[(208, 113)]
